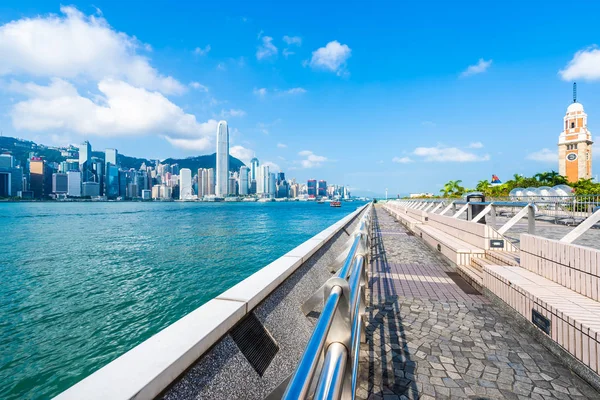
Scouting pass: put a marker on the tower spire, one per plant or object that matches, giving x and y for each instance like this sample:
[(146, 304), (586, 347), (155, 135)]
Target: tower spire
[(574, 92)]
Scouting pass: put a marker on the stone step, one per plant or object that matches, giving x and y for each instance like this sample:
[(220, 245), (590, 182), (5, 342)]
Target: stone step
[(472, 275), (503, 257), (478, 263)]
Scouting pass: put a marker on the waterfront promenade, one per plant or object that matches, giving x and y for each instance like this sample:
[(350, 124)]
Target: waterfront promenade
[(432, 336)]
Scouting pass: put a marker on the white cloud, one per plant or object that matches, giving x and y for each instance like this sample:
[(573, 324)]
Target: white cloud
[(221, 67), (190, 144), (241, 153), (481, 66), (332, 57), (543, 155), (448, 154), (202, 51), (267, 49), (281, 145), (73, 45), (476, 145), (311, 160), (286, 53), (584, 65), (297, 90), (118, 109), (232, 113), (198, 86), (292, 40), (262, 92), (272, 166), (401, 160)]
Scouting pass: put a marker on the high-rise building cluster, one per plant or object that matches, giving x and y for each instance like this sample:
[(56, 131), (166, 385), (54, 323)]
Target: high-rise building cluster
[(83, 175)]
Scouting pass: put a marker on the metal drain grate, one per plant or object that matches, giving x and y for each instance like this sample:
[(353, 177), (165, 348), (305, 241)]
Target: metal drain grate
[(255, 343), (461, 283)]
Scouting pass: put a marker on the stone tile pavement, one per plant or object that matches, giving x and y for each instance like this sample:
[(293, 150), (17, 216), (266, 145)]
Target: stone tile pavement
[(428, 339)]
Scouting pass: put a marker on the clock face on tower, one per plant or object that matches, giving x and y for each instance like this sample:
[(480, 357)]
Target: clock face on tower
[(571, 156)]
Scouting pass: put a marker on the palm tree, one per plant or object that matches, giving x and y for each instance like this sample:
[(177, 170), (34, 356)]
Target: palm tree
[(543, 177), (483, 185), (452, 188), (518, 179)]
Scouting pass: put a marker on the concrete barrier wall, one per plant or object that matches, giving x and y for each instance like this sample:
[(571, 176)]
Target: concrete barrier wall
[(575, 267), (198, 343)]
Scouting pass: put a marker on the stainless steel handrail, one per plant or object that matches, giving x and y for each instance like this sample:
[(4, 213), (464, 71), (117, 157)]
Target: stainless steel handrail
[(335, 342), (330, 382), (299, 384)]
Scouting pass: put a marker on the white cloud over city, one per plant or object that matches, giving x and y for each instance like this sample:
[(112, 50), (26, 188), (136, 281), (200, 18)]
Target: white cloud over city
[(232, 113), (202, 51), (544, 155), (585, 64), (479, 68), (119, 109), (311, 160), (401, 160), (242, 153), (267, 49), (73, 45), (74, 73), (448, 154), (332, 57)]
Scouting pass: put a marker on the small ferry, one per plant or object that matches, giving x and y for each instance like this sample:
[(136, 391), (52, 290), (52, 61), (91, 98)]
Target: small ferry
[(335, 204)]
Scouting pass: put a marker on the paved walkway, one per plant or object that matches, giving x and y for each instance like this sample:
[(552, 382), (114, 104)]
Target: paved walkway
[(429, 339)]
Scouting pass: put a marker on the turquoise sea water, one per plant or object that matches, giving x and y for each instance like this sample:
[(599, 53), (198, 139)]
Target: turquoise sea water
[(82, 283)]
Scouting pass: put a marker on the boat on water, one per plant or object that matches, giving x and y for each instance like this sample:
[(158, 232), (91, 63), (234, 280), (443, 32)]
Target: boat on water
[(335, 204)]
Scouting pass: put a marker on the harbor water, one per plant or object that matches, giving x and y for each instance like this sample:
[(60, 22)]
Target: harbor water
[(82, 283)]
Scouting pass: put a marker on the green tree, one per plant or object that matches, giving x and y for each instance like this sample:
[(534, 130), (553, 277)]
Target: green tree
[(483, 186), (452, 189)]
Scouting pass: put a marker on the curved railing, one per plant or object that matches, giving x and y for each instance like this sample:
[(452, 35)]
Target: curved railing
[(328, 368)]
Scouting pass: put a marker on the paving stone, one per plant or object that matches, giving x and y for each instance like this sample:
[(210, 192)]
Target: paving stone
[(428, 339)]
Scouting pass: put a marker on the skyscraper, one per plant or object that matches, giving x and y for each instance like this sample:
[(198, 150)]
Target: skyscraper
[(85, 161), (322, 188), (74, 183), (272, 184), (222, 159), (262, 181), (253, 167), (60, 183), (112, 181), (312, 188), (243, 181), (202, 182), (211, 181), (40, 178), (185, 184), (110, 156)]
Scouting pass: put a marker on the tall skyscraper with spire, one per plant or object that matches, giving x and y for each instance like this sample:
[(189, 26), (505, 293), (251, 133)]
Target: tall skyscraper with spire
[(575, 143), (222, 159)]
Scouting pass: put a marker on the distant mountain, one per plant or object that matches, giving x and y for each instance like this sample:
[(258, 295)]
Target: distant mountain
[(207, 161), (20, 149)]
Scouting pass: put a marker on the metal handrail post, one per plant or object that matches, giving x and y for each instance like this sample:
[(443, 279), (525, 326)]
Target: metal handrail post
[(329, 386), (300, 382)]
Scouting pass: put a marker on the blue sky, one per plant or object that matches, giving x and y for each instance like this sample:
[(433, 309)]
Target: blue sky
[(374, 95)]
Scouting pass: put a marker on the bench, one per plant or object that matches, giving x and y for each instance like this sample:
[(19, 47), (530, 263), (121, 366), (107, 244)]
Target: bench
[(572, 266), (458, 251), (568, 318), (406, 216)]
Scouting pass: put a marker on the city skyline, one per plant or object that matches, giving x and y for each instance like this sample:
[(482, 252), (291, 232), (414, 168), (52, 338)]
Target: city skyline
[(305, 96), (82, 174)]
